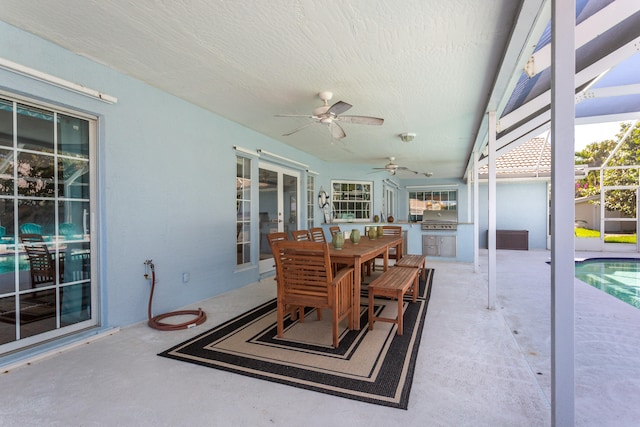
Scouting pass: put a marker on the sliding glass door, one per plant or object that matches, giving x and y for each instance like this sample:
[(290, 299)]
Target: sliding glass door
[(46, 188)]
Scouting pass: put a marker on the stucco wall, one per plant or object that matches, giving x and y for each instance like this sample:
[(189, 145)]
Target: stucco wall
[(166, 181), (520, 205)]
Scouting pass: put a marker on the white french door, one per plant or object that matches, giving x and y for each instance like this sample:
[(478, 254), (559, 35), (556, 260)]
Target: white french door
[(278, 201)]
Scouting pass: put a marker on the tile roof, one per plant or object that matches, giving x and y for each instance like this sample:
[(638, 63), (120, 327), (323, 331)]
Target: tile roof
[(529, 160)]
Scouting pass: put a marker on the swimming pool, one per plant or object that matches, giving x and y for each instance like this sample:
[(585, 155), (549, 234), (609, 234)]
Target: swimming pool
[(7, 263), (619, 277)]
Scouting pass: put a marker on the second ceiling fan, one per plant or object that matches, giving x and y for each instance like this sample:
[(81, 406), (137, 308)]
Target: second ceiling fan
[(330, 115), (393, 168)]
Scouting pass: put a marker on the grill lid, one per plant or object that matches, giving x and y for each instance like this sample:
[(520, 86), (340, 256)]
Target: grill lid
[(439, 216), (439, 220)]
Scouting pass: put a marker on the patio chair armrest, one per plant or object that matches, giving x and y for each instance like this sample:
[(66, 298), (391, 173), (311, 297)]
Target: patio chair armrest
[(344, 276)]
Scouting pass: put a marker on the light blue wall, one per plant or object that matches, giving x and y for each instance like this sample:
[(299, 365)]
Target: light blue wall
[(520, 205), (166, 176)]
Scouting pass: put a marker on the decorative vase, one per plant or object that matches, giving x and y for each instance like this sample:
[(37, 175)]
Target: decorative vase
[(380, 231), (372, 233), (338, 240), (390, 218), (355, 236), (376, 218)]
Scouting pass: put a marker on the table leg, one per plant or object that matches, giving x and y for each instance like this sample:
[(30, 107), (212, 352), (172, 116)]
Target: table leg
[(386, 260), (355, 310)]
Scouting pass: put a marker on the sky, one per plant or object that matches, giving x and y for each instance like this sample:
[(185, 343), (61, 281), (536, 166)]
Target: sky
[(586, 134)]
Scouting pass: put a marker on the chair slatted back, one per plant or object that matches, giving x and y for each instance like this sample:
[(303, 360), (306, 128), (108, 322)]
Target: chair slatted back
[(391, 230), (334, 229), (317, 235), (301, 235), (275, 237), (304, 272)]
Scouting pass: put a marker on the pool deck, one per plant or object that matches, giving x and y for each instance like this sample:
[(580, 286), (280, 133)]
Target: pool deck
[(475, 367)]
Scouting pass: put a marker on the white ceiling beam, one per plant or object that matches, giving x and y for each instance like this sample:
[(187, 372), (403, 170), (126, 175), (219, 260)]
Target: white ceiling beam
[(590, 72), (600, 22), (608, 92), (608, 118)]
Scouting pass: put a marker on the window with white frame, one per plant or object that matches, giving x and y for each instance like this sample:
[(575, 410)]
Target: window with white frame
[(419, 201), (351, 200), (243, 210), (310, 201)]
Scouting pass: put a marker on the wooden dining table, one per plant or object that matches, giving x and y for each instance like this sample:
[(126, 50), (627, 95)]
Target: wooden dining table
[(357, 255)]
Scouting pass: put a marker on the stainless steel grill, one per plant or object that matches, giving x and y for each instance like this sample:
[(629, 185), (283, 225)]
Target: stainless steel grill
[(439, 220)]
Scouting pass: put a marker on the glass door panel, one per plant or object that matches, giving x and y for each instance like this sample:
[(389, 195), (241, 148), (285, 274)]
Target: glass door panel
[(278, 197), (269, 220)]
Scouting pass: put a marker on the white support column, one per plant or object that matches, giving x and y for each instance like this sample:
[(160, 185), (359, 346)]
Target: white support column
[(563, 14), (476, 215), (491, 190)]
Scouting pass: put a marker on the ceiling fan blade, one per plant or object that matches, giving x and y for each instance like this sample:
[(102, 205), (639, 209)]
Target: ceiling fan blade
[(407, 170), (336, 131), (297, 129), (295, 115), (339, 108), (361, 120)]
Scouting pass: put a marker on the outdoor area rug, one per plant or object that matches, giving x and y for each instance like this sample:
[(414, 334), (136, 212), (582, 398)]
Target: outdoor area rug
[(371, 366)]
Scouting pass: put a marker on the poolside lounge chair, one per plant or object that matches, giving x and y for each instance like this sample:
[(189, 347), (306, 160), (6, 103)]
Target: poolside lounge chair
[(30, 228)]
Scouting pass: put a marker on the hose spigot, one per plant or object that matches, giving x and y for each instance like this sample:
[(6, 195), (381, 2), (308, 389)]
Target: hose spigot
[(148, 265)]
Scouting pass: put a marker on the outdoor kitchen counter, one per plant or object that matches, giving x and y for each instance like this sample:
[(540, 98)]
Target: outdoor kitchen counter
[(413, 236)]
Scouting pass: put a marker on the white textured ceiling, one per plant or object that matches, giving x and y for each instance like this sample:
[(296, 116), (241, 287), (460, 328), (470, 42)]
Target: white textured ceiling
[(425, 66)]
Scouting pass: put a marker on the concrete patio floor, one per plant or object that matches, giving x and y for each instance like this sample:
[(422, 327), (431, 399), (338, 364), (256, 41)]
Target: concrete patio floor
[(475, 367)]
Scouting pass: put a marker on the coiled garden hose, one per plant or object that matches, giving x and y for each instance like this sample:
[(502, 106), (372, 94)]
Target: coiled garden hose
[(156, 321)]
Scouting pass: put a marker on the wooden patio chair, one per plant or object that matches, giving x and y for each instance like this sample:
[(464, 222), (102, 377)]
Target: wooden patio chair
[(274, 237), (294, 310), (317, 235), (305, 279), (390, 230), (334, 229), (301, 235)]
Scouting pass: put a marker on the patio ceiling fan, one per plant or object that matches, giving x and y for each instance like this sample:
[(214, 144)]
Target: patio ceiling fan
[(331, 115), (393, 168)]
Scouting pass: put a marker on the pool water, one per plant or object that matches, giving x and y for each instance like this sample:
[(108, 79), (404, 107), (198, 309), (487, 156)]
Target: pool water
[(7, 263), (617, 277)]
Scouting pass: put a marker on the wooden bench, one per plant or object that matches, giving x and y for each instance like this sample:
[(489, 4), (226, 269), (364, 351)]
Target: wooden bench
[(393, 283), (414, 261)]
